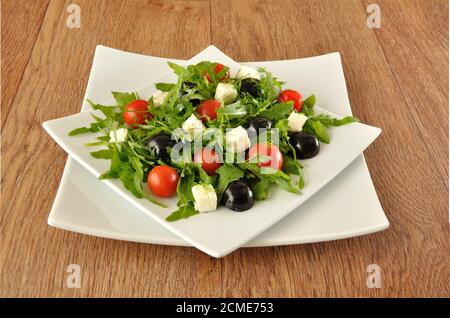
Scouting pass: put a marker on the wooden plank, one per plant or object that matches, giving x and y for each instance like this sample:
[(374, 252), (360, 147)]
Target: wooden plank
[(19, 31), (35, 260), (414, 37), (416, 202)]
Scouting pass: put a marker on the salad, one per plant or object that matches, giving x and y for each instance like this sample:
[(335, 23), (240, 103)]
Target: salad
[(210, 138)]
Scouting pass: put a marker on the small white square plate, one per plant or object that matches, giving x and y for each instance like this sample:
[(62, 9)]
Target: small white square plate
[(221, 232)]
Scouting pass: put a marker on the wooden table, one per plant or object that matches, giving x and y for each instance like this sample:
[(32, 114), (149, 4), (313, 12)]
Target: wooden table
[(397, 78)]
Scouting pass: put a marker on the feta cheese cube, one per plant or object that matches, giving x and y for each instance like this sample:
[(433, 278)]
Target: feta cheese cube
[(237, 140), (248, 72), (205, 198), (159, 97), (296, 121), (193, 126), (119, 135), (226, 93)]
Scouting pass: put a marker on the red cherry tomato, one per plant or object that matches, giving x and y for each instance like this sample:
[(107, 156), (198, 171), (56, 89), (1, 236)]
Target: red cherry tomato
[(208, 109), (136, 112), (291, 95), (209, 159), (163, 181), (217, 69), (276, 161)]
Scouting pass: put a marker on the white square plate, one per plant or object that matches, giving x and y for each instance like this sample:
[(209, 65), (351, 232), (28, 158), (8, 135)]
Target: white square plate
[(221, 232)]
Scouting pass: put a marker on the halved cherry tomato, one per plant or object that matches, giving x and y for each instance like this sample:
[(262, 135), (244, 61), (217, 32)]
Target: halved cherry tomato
[(276, 161), (291, 95), (217, 69), (136, 112), (163, 181), (209, 159), (208, 109)]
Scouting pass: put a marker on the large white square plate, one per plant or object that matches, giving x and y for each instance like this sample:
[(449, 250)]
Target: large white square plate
[(90, 207)]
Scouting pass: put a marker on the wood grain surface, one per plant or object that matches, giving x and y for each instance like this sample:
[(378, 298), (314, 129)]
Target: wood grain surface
[(397, 78)]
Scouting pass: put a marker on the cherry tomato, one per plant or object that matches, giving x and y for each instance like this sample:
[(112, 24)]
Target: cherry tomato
[(209, 159), (276, 161), (163, 181), (208, 109), (136, 112), (217, 69), (291, 95)]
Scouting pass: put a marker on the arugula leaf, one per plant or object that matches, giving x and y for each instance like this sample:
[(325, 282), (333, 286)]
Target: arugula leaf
[(227, 174), (124, 98), (184, 188), (92, 128), (185, 197), (138, 173), (308, 106), (127, 176), (284, 144), (319, 130), (310, 102), (178, 69), (285, 185), (101, 154), (269, 86), (272, 176), (261, 189), (98, 125), (204, 177), (182, 212), (234, 110), (128, 168), (281, 179), (175, 91), (293, 166), (164, 87), (329, 121), (110, 112), (278, 111)]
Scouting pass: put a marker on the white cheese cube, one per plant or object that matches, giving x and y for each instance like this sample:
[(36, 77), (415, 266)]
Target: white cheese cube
[(119, 135), (248, 72), (237, 140), (205, 198), (296, 121), (193, 126), (159, 97), (226, 93)]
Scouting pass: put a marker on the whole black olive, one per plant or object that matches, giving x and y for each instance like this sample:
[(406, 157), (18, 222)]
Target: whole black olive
[(250, 86), (238, 196), (305, 145), (159, 143), (257, 123)]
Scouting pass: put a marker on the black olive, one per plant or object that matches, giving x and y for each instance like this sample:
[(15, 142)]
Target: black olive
[(257, 123), (190, 84), (238, 196), (159, 143), (195, 102), (250, 86), (305, 145)]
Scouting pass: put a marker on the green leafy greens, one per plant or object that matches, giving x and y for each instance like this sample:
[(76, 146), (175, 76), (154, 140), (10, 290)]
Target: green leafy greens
[(131, 159)]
